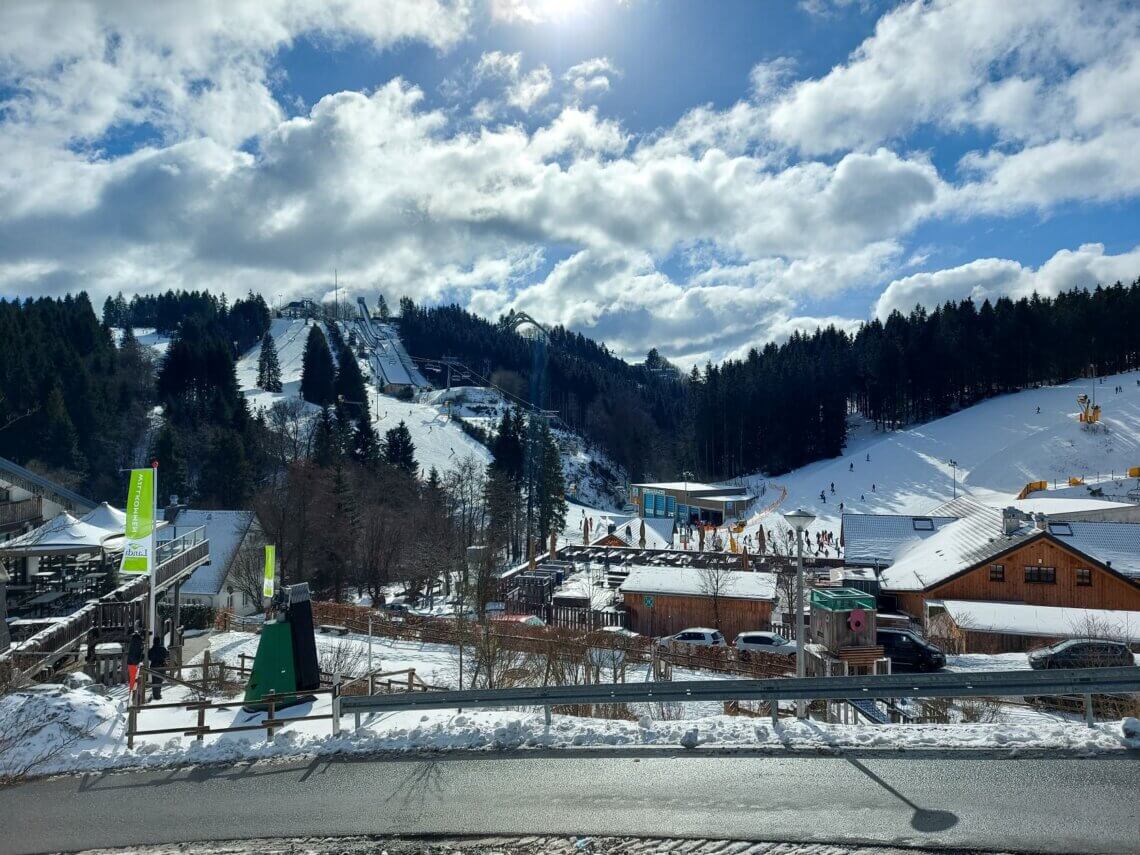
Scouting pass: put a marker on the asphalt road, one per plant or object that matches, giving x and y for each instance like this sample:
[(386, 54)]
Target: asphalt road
[(931, 800)]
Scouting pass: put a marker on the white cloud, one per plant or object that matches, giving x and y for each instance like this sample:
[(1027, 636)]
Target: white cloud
[(522, 91), (590, 77), (991, 278)]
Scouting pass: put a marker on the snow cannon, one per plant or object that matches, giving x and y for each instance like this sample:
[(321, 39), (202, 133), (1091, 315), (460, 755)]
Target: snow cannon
[(286, 660)]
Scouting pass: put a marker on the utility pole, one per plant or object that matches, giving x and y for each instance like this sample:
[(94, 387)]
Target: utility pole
[(800, 520), (954, 471)]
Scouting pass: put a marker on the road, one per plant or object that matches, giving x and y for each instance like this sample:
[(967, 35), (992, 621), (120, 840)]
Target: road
[(928, 799)]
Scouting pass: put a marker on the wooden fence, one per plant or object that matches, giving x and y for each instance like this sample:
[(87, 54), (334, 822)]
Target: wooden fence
[(564, 642)]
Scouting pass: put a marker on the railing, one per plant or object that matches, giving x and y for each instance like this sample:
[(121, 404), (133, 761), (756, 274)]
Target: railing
[(984, 684), (25, 510), (115, 612)]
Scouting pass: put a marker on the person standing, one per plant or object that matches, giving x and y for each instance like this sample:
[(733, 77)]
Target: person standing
[(134, 659), (157, 657)]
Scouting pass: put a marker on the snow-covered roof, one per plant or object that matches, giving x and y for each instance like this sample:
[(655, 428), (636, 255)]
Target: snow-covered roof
[(962, 506), (971, 540), (658, 531), (878, 539), (1046, 621), (1114, 543), (691, 486), (954, 547), (690, 581), (225, 530)]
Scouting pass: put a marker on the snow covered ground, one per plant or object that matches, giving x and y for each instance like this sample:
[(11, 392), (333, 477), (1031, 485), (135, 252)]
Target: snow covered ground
[(93, 726), (146, 336), (999, 445)]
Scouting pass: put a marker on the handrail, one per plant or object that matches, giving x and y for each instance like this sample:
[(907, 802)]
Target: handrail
[(1069, 681)]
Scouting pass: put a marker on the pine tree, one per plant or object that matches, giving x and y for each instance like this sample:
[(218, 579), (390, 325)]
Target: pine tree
[(399, 450), (268, 368), (551, 486), (384, 311), (172, 469), (317, 372)]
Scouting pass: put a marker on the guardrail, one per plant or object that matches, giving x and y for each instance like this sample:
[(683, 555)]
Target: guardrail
[(1069, 681)]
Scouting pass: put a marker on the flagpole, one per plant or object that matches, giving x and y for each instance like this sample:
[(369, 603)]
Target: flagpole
[(151, 606)]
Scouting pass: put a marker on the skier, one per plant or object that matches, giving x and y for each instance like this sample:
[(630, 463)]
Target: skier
[(157, 658), (868, 457), (1038, 411), (862, 498), (872, 488), (134, 658), (841, 507), (850, 467), (833, 486)]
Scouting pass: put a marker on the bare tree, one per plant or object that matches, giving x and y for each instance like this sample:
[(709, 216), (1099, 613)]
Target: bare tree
[(247, 570), (290, 431), (717, 580)]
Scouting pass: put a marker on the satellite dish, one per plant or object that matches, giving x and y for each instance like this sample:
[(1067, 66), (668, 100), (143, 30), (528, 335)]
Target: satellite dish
[(857, 619)]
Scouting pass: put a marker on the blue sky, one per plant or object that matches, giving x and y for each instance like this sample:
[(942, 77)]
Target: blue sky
[(696, 177)]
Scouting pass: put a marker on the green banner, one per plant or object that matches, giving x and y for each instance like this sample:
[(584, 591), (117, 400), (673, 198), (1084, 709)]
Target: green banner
[(140, 522), (270, 561)]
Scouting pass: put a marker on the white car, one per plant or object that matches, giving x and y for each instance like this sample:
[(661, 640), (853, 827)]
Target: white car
[(697, 636), (764, 642)]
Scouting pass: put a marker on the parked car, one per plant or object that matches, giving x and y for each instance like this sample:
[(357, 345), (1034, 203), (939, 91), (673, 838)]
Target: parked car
[(909, 651), (763, 642), (1082, 653), (396, 604), (697, 636)]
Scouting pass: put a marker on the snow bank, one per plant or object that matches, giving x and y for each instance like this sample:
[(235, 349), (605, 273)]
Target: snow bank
[(509, 730)]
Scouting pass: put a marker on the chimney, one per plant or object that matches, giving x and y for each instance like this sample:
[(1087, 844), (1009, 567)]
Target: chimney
[(1010, 521), (1039, 521), (611, 528)]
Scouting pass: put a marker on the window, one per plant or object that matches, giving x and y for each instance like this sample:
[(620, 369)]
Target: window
[(1061, 529), (670, 506), (1038, 575), (923, 524), (997, 572), (1084, 576)]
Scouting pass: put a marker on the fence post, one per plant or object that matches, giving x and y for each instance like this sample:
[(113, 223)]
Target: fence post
[(132, 724), (206, 672), (201, 724), (411, 679), (775, 704), (271, 696), (546, 710), (336, 703), (1088, 710)]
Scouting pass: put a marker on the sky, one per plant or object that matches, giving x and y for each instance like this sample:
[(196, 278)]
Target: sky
[(701, 178)]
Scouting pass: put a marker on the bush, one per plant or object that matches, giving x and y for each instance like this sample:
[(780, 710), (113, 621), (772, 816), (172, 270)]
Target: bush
[(192, 615)]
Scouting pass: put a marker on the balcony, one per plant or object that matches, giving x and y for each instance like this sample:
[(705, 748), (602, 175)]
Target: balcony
[(17, 514)]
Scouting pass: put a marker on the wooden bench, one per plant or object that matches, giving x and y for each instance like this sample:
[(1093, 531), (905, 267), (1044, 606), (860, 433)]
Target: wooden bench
[(328, 628)]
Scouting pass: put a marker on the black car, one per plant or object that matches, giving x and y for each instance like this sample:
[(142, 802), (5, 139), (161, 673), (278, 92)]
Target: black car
[(908, 651), (1082, 653)]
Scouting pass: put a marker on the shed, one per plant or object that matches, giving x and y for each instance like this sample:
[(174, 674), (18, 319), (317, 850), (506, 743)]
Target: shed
[(665, 600)]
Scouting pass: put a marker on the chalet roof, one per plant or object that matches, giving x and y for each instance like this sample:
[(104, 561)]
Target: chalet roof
[(658, 532), (878, 539), (971, 540), (1116, 544), (690, 581), (954, 547), (225, 530), (959, 507), (1045, 621)]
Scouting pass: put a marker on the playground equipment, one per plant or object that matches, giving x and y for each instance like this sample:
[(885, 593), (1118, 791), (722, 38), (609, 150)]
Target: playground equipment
[(286, 660)]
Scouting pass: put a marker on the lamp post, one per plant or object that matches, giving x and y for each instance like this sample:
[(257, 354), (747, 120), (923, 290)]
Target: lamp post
[(688, 510), (799, 519), (954, 474)]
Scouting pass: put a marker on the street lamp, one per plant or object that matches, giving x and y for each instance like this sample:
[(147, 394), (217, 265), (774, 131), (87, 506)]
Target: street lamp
[(688, 511), (954, 472), (799, 519)]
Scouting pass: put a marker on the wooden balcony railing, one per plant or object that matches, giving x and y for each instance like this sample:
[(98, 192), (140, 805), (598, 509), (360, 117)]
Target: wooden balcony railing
[(22, 511)]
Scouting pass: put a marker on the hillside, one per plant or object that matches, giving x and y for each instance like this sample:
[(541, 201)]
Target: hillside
[(999, 445)]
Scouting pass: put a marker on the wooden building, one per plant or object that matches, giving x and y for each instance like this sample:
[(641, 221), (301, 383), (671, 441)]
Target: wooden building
[(665, 600), (1002, 557)]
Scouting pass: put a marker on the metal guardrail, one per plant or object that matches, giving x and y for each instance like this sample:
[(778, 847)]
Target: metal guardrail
[(1069, 681)]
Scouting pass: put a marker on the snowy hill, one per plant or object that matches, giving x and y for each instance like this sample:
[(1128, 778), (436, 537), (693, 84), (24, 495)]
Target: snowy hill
[(999, 446), (289, 336)]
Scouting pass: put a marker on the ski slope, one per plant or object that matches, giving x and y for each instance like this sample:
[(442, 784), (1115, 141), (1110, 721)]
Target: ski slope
[(289, 336), (999, 446)]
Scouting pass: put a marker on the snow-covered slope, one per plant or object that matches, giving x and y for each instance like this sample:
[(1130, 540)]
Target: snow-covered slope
[(999, 446), (289, 336)]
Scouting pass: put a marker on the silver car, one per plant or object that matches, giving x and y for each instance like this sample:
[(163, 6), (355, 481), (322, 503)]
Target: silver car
[(763, 642)]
